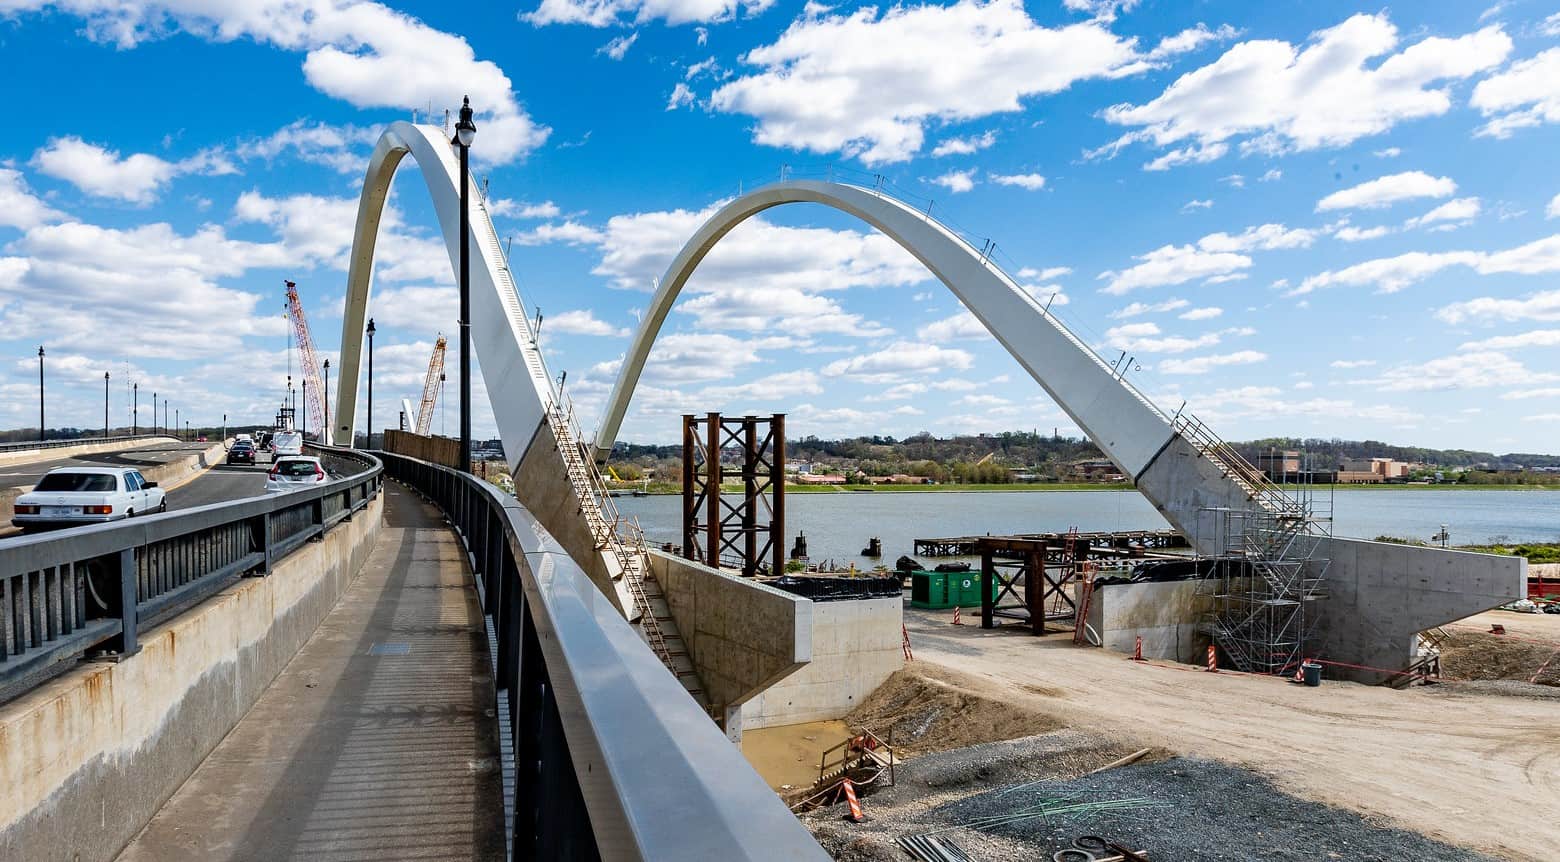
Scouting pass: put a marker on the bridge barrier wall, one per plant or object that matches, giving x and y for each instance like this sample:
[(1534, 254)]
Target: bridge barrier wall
[(89, 757), (439, 450), (742, 636), (85, 447), (857, 644), (1165, 614)]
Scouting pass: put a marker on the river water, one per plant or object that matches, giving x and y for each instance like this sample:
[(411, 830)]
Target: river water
[(838, 525)]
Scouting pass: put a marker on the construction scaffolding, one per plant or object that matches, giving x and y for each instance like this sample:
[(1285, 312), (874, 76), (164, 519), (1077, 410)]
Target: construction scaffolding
[(1268, 577)]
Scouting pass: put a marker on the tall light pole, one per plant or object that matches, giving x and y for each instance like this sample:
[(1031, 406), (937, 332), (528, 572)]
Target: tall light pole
[(105, 405), (176, 425), (167, 429), (155, 426), (325, 433), (465, 133), (224, 427), (305, 408), (370, 425), (135, 410), (43, 432)]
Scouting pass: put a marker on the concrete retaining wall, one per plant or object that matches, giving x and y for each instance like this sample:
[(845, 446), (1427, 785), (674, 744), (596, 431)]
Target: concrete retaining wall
[(88, 758), (1164, 614), (856, 645), (742, 636)]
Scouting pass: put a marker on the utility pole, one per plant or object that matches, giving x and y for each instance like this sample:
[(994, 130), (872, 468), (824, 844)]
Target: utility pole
[(105, 405), (326, 436), (369, 425), (176, 425), (465, 132), (43, 431), (135, 411), (306, 407)]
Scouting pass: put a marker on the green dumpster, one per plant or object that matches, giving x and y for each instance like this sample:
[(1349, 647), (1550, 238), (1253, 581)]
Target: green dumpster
[(929, 590), (964, 589)]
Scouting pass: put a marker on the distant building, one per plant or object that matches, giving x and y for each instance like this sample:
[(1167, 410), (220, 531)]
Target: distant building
[(1097, 470), (1279, 464), (1365, 471), (819, 479)]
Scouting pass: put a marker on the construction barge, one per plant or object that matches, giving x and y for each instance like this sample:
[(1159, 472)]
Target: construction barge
[(969, 546)]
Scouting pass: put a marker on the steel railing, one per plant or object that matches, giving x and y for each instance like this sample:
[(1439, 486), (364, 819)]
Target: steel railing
[(26, 445), (612, 759), (67, 594)]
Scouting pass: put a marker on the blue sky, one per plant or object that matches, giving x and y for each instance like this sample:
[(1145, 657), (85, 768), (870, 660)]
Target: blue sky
[(1300, 218)]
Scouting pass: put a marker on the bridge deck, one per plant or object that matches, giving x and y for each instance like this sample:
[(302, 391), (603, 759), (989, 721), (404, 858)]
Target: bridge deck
[(376, 742)]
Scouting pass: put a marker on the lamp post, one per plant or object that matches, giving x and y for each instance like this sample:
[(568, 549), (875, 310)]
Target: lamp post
[(465, 133), (325, 433), (155, 426), (305, 408), (105, 405), (167, 429), (224, 427), (176, 425), (135, 409), (370, 423), (42, 428)]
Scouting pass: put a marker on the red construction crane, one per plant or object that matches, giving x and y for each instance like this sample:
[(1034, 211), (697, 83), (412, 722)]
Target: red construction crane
[(314, 401), (431, 388)]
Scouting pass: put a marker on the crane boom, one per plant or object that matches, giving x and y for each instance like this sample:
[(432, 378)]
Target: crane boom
[(314, 401), (431, 387)]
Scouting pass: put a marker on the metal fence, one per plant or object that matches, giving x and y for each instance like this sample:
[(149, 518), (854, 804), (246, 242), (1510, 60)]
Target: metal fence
[(611, 759), (76, 592), (25, 445)]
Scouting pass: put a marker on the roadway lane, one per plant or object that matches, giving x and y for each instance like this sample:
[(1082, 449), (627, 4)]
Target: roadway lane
[(27, 473), (220, 484)]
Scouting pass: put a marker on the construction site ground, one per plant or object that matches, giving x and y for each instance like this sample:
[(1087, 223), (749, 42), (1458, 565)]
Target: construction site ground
[(1456, 762)]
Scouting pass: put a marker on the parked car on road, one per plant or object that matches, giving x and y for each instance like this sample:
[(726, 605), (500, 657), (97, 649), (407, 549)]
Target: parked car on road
[(71, 496), (243, 452), (287, 443), (294, 472)]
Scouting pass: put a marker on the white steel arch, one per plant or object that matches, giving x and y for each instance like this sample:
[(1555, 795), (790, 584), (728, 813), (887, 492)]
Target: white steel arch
[(512, 369), (1127, 427)]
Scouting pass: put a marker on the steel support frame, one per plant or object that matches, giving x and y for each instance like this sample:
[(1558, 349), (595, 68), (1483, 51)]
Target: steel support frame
[(719, 530), (1034, 576)]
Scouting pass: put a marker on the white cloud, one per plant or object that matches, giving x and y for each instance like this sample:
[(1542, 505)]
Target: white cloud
[(137, 178), (1266, 237), (1046, 274), (964, 146), (568, 232), (1267, 402), (1216, 257), (505, 208), (1234, 181), (1140, 308), (1272, 96), (774, 308), (19, 207), (1551, 25), (606, 13), (1544, 305), (1196, 205), (1535, 338), (682, 96), (618, 48), (343, 149), (1350, 233), (957, 181), (1524, 394), (1477, 369), (890, 364), (1271, 175), (861, 84), (1459, 211), (1526, 94), (1553, 210), (1388, 190), (1204, 364), (364, 53), (958, 327), (1388, 153), (1207, 313), (582, 322), (1031, 182), (1147, 338), (1352, 363), (1392, 274)]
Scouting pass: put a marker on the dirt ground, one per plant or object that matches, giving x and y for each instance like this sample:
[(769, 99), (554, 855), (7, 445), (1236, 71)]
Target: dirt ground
[(787, 757), (1459, 765)]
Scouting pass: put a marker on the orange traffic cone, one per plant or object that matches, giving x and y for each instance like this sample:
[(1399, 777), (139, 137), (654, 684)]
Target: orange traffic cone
[(956, 616), (855, 804)]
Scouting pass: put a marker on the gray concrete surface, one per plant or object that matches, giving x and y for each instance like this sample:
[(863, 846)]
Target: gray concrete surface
[(742, 636), (377, 742), (87, 758), (27, 473)]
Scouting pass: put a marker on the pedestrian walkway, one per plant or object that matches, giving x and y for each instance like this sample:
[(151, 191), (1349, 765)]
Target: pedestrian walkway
[(377, 742)]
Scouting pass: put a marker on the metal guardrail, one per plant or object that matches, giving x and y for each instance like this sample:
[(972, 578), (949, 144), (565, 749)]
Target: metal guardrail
[(69, 593), (612, 758), (26, 445)]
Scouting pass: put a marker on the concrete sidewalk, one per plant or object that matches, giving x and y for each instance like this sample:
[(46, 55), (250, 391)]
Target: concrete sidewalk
[(377, 742)]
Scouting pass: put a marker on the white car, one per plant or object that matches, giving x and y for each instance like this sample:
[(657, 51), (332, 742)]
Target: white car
[(71, 496), (286, 443), (294, 472)]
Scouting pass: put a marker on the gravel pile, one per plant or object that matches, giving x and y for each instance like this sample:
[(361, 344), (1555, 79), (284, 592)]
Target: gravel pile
[(1205, 811)]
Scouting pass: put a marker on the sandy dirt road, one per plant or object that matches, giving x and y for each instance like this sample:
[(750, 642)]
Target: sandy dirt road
[(1478, 770)]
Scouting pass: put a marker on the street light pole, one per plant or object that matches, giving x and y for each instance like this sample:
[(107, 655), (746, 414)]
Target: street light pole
[(167, 429), (305, 408), (155, 426), (135, 409), (176, 425), (465, 132), (105, 405), (224, 427), (370, 425), (43, 432), (325, 433)]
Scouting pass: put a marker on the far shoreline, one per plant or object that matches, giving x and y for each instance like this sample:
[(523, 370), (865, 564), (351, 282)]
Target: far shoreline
[(1076, 487)]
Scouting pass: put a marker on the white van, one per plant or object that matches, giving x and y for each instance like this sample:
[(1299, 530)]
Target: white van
[(286, 443)]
